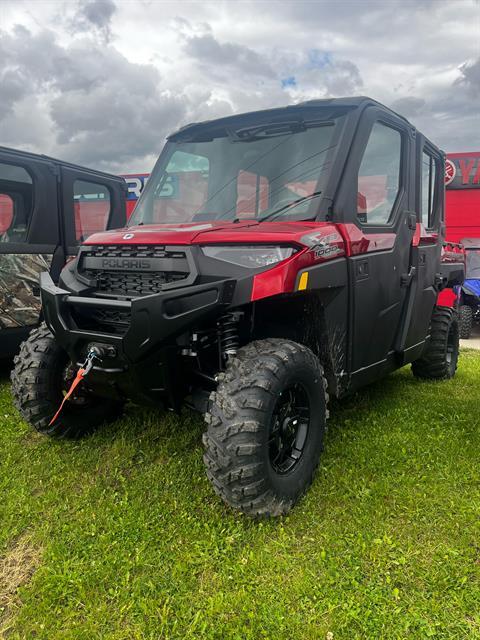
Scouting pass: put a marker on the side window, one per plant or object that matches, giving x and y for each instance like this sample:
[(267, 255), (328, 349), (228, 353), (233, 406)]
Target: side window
[(16, 202), (379, 175), (429, 174), (92, 207)]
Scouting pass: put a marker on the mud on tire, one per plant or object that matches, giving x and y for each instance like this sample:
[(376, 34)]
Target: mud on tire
[(37, 386), (465, 321), (440, 358), (259, 455)]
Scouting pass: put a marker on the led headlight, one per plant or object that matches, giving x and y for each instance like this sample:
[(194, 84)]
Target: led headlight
[(250, 256)]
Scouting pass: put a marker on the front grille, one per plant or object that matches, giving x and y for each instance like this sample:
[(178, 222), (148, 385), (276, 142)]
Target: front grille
[(112, 280), (131, 285), (133, 251), (104, 320)]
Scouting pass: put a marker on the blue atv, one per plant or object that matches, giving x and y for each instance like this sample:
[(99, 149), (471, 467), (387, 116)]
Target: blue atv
[(469, 309)]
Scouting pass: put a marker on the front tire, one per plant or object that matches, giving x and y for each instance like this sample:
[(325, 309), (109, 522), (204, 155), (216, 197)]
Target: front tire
[(465, 317), (266, 425), (440, 358), (38, 382)]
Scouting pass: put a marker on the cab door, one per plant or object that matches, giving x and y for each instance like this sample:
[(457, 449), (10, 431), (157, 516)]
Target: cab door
[(30, 241), (375, 201), (426, 248), (91, 202)]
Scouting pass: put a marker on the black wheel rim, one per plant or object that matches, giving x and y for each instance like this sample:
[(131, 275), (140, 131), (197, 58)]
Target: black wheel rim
[(289, 429)]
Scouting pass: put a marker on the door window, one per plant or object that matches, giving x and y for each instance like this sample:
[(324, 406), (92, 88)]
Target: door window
[(379, 175), (429, 174), (92, 207), (16, 202)]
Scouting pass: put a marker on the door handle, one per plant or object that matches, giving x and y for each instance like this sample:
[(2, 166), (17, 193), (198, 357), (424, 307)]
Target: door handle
[(411, 219), (407, 278), (361, 270)]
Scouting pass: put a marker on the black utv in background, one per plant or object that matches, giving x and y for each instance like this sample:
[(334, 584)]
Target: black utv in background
[(274, 259), (47, 208)]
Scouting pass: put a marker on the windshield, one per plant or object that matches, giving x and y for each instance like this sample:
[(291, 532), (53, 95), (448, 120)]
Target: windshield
[(267, 170), (473, 263)]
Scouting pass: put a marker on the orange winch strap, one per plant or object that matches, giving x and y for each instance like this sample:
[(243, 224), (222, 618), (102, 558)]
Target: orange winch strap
[(75, 383)]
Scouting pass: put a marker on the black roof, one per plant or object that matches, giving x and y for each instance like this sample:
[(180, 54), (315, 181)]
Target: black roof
[(28, 155), (336, 103)]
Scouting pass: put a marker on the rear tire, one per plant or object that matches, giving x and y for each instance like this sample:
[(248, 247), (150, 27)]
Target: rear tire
[(440, 358), (266, 424), (465, 319), (38, 383)]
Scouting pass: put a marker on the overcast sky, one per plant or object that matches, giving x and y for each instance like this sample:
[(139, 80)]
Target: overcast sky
[(102, 82)]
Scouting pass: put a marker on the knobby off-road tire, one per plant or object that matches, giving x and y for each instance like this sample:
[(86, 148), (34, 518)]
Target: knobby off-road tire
[(251, 421), (38, 383), (440, 358), (465, 321)]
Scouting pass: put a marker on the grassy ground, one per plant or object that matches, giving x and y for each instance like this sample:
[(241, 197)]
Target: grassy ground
[(120, 536)]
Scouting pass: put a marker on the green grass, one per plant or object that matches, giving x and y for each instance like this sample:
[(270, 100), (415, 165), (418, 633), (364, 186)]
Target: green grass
[(121, 537)]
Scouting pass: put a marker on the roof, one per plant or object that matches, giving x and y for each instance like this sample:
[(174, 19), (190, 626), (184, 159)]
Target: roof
[(28, 155), (348, 103)]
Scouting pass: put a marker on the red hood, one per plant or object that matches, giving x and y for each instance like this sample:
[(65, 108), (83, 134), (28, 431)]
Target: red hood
[(248, 231)]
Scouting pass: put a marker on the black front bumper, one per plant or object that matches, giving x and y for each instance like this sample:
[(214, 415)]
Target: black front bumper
[(144, 359)]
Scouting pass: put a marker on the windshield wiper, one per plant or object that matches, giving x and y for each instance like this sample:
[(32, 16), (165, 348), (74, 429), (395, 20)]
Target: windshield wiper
[(315, 194)]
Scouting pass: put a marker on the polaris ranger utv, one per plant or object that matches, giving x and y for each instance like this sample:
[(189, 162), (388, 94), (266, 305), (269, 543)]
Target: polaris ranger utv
[(274, 258)]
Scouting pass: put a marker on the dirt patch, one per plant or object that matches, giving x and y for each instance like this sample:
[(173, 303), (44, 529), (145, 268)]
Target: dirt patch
[(16, 569)]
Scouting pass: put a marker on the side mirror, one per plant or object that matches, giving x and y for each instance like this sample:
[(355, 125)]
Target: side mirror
[(6, 213)]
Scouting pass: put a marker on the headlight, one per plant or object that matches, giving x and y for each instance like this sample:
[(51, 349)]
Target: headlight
[(252, 257)]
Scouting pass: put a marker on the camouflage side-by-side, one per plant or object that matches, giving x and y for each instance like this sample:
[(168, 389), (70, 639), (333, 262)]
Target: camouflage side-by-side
[(19, 275)]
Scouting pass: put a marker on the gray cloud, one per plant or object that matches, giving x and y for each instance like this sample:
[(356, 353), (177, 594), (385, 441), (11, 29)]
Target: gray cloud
[(408, 106), (107, 82), (262, 74), (207, 50), (96, 14), (471, 76), (334, 78), (103, 109)]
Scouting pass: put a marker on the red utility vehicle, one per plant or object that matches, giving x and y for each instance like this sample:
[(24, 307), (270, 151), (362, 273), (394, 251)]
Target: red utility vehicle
[(275, 259)]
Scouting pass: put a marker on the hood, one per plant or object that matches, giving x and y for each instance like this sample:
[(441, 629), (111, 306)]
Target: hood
[(247, 231)]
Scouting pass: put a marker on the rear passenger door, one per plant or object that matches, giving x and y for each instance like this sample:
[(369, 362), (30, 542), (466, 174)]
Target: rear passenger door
[(91, 202), (30, 239), (426, 244)]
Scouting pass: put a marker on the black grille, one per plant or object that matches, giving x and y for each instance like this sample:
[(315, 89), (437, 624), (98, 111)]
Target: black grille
[(135, 282), (105, 320), (133, 251), (120, 283)]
